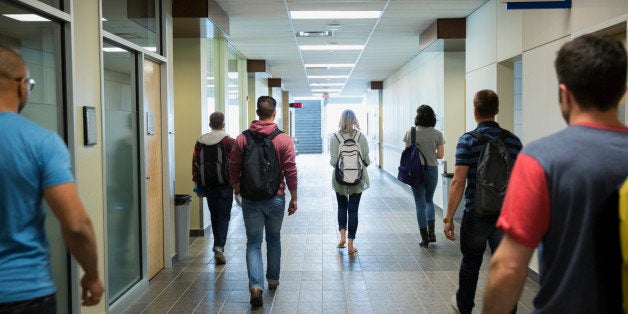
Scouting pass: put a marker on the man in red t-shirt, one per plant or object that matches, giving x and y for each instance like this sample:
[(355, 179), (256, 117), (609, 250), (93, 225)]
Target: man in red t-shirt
[(562, 193)]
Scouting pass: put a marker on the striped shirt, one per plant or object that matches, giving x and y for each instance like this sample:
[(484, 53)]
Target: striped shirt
[(468, 154)]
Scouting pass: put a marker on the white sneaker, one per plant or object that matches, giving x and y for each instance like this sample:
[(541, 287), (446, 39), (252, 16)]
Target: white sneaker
[(454, 303)]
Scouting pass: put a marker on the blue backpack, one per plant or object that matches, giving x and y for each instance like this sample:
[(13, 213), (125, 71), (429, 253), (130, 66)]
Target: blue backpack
[(411, 171)]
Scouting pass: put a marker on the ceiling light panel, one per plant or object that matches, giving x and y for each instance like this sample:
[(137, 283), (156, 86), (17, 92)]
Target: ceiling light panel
[(333, 15), (331, 47), (329, 65), (27, 17), (326, 84), (327, 76)]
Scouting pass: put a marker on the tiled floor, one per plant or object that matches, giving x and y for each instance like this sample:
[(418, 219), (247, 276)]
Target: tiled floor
[(391, 273)]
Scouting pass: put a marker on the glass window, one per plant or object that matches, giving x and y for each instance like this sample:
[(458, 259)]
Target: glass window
[(39, 44), (134, 20), (233, 96), (122, 171), (211, 75)]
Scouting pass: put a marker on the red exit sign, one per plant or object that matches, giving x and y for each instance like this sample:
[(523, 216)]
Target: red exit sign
[(296, 105)]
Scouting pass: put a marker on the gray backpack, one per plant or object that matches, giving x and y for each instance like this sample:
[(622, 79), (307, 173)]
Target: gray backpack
[(350, 162)]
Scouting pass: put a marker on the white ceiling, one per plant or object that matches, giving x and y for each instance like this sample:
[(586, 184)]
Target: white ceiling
[(263, 29)]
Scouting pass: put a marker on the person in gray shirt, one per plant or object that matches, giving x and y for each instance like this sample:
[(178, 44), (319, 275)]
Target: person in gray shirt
[(430, 142)]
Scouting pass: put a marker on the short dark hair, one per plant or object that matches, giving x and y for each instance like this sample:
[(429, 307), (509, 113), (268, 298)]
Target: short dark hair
[(593, 68), (486, 103), (425, 116), (216, 120), (266, 106)]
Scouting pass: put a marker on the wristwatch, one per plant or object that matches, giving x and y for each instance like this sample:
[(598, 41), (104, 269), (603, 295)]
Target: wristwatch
[(447, 220)]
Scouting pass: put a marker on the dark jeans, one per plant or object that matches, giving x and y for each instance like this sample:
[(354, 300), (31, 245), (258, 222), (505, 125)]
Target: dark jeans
[(348, 205), (43, 305), (475, 232), (219, 202)]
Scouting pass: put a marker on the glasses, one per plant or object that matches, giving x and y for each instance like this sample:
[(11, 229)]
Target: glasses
[(31, 82)]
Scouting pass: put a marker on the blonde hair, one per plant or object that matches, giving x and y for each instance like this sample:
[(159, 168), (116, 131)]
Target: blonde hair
[(348, 122)]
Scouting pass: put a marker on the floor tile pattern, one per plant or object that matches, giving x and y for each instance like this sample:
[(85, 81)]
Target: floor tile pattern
[(391, 273)]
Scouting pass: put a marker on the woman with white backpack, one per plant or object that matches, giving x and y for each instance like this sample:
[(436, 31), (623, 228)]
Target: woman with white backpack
[(349, 152)]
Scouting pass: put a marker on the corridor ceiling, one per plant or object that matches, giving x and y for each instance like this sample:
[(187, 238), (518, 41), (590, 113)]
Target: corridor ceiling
[(264, 29)]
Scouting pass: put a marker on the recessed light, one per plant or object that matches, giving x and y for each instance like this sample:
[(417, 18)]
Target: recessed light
[(326, 90), (335, 15), (327, 76), (314, 34), (327, 84), (329, 65), (331, 47), (113, 49), (27, 17)]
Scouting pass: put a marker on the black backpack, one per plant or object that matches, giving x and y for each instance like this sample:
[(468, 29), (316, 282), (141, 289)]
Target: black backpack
[(213, 165), (411, 170), (260, 176), (493, 171)]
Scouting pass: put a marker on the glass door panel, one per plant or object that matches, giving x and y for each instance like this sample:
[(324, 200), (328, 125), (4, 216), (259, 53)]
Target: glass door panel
[(122, 171)]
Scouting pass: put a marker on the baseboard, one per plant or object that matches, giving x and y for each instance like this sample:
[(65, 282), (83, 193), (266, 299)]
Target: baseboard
[(200, 232)]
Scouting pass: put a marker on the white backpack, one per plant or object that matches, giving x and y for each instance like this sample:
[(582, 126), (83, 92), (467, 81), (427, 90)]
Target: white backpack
[(350, 163)]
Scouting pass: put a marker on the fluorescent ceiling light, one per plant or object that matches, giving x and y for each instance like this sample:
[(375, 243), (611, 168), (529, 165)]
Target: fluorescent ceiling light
[(329, 65), (27, 17), (327, 84), (327, 76), (331, 47), (326, 15), (326, 90), (113, 49), (118, 49)]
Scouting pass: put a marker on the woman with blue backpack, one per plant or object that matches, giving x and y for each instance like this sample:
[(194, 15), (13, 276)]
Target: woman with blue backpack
[(429, 142), (349, 152)]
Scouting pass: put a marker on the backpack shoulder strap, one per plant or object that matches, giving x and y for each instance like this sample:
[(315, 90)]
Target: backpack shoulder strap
[(338, 137), (272, 135), (356, 137), (477, 134), (413, 135)]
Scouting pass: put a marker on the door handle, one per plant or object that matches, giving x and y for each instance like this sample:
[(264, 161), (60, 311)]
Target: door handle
[(148, 178)]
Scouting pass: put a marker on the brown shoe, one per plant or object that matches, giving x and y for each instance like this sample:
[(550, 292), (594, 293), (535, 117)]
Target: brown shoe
[(273, 285), (256, 297)]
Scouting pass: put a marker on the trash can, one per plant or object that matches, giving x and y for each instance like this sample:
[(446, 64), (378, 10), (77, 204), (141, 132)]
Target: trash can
[(447, 177), (182, 224)]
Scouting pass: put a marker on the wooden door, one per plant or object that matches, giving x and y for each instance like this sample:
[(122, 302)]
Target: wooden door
[(154, 178)]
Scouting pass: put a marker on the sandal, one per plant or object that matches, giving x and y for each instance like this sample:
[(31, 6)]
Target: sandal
[(341, 245), (352, 251)]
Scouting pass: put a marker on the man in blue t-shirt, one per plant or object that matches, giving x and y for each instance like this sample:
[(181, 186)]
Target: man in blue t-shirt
[(563, 193), (475, 230), (35, 164)]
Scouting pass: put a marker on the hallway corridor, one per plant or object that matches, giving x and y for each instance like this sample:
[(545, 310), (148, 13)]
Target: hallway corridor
[(391, 273)]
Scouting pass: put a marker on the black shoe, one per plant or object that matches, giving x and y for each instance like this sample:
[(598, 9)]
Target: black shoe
[(273, 285), (219, 257), (425, 242), (430, 231), (256, 297)]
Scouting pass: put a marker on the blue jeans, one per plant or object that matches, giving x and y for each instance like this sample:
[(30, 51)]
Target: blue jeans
[(424, 197), (43, 305), (219, 202), (475, 232), (260, 215), (348, 206)]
